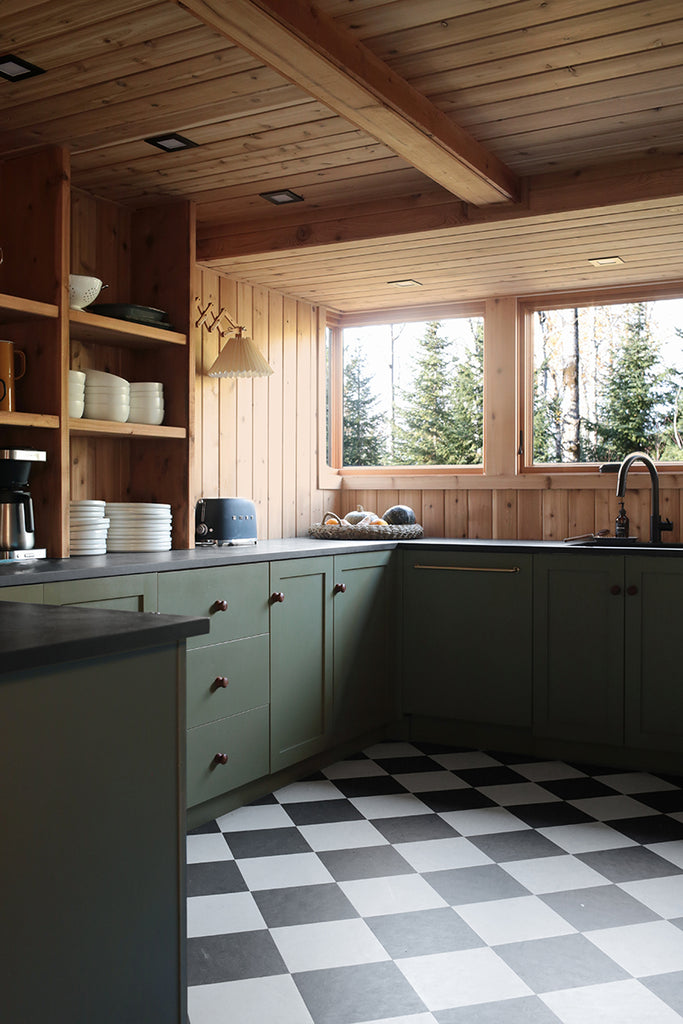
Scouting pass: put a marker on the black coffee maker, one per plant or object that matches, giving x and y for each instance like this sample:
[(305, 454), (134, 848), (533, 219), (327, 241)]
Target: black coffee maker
[(17, 527)]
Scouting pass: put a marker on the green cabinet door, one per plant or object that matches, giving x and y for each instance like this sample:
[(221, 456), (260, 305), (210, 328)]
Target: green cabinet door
[(234, 597), (467, 636), (136, 593), (301, 665), (366, 610), (31, 593), (653, 605), (579, 647)]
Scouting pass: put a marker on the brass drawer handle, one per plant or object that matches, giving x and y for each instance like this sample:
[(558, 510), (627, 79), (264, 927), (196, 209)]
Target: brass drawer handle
[(467, 568)]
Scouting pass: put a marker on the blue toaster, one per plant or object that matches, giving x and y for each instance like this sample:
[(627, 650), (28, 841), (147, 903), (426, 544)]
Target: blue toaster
[(225, 521)]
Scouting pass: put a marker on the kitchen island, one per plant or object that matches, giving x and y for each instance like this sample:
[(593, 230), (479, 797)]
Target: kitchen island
[(92, 768)]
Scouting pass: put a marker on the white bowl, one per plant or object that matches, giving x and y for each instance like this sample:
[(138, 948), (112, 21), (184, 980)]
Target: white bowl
[(83, 290), (152, 417), (107, 394), (75, 388), (76, 377), (154, 387), (76, 408), (100, 377), (150, 402), (118, 414)]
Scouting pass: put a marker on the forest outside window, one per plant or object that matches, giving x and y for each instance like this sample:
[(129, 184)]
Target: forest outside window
[(406, 395), (605, 380)]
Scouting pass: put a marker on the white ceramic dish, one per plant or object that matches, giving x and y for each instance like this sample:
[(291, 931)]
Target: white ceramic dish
[(76, 409), (154, 419), (143, 546), (112, 416), (84, 502), (146, 387), (137, 506), (100, 377), (77, 376)]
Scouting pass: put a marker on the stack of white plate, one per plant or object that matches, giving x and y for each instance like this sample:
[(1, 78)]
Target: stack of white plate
[(107, 397), (139, 526), (147, 403), (76, 393), (88, 527)]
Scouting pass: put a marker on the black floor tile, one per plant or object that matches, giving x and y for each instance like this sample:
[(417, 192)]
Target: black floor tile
[(318, 812), (366, 862), (216, 958), (213, 877), (578, 789), (521, 845), (669, 988), (629, 864), (494, 776), (423, 932), (525, 1010), (459, 886), (666, 800), (413, 828), (654, 828), (369, 785), (563, 961), (408, 765), (599, 906), (304, 904), (545, 815), (347, 995), (441, 800), (266, 842)]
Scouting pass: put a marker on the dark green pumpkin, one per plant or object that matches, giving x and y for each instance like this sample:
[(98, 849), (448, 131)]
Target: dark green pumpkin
[(399, 515)]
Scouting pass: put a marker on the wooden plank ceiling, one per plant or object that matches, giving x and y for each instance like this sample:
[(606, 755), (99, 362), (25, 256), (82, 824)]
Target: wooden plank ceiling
[(481, 147)]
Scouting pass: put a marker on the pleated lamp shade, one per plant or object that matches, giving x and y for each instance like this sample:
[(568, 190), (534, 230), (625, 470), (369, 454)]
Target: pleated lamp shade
[(240, 358)]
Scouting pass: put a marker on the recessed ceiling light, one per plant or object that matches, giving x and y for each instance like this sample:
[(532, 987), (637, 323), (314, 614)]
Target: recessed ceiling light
[(605, 261), (282, 196), (407, 282), (171, 141), (14, 69)]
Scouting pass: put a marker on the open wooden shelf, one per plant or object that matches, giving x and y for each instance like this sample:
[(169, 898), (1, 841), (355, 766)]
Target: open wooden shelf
[(109, 331), (14, 309), (107, 428), (29, 419)]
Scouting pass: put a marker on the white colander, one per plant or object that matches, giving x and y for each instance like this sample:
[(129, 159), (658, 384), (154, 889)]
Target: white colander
[(83, 290)]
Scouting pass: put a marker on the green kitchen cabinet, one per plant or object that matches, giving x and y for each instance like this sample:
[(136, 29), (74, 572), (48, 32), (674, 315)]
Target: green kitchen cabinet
[(134, 593), (301, 658), (365, 614), (228, 685), (579, 647), (234, 597), (467, 636), (31, 593), (653, 612)]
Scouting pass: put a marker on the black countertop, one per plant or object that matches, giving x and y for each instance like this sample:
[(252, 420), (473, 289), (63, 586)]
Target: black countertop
[(33, 635), (55, 570)]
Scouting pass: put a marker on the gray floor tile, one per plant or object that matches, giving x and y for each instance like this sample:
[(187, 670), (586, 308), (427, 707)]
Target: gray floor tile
[(600, 906), (564, 961), (208, 878), (266, 842), (629, 864), (520, 845), (526, 1010), (669, 988), (414, 828), (303, 904), (474, 885), (346, 995), (318, 812), (423, 932), (217, 958), (368, 862)]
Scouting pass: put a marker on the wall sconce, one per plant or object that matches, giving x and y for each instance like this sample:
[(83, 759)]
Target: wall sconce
[(239, 357)]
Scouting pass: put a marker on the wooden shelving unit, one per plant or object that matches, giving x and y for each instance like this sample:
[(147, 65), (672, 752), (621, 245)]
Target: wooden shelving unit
[(106, 330), (29, 419), (16, 310), (107, 428)]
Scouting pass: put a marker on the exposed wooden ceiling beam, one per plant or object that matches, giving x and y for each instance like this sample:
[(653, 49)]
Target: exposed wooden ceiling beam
[(328, 62), (558, 194)]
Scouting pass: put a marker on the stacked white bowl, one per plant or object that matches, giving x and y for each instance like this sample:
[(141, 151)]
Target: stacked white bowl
[(139, 526), (76, 393), (88, 527), (107, 397), (146, 403)]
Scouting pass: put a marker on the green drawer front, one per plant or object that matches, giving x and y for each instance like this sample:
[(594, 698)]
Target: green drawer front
[(244, 663), (137, 593), (32, 593), (197, 592), (244, 738)]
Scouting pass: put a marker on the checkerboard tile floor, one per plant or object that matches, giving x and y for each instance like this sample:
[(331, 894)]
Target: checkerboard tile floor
[(416, 884)]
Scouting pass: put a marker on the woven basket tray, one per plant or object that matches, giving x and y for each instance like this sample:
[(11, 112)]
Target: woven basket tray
[(347, 532)]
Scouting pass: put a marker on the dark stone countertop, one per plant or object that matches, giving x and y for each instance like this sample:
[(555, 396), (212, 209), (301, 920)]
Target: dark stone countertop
[(33, 635)]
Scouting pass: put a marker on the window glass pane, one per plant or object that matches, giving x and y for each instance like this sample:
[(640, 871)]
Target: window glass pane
[(413, 393), (607, 381)]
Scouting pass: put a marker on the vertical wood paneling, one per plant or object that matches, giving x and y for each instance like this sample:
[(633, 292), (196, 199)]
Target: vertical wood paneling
[(580, 513), (604, 510), (433, 513), (455, 513), (555, 515), (227, 399), (530, 515), (273, 527), (289, 414), (304, 421), (261, 411), (480, 517), (505, 514), (245, 403)]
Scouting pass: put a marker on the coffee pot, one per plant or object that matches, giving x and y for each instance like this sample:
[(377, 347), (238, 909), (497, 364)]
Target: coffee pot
[(17, 527)]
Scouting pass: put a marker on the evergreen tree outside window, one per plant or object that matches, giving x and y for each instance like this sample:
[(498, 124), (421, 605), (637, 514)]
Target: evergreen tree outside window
[(607, 381), (413, 394)]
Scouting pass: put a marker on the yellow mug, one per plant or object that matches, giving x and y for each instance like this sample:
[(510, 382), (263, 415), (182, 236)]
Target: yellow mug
[(12, 368)]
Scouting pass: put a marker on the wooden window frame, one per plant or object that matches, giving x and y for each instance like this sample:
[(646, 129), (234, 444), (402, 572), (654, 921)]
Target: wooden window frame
[(527, 306)]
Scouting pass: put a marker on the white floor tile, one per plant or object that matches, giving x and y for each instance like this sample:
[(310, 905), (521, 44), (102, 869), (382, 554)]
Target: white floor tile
[(284, 871), (482, 821), (663, 895), (642, 949), (553, 874), (515, 920), (247, 819), (390, 805), (547, 771), (609, 808), (300, 792), (252, 1001), (671, 851), (342, 835), (634, 782), (359, 768), (425, 782), (586, 837), (464, 978), (417, 1018), (465, 759), (395, 894), (209, 847), (518, 793), (616, 1002), (314, 947), (222, 914), (442, 854)]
